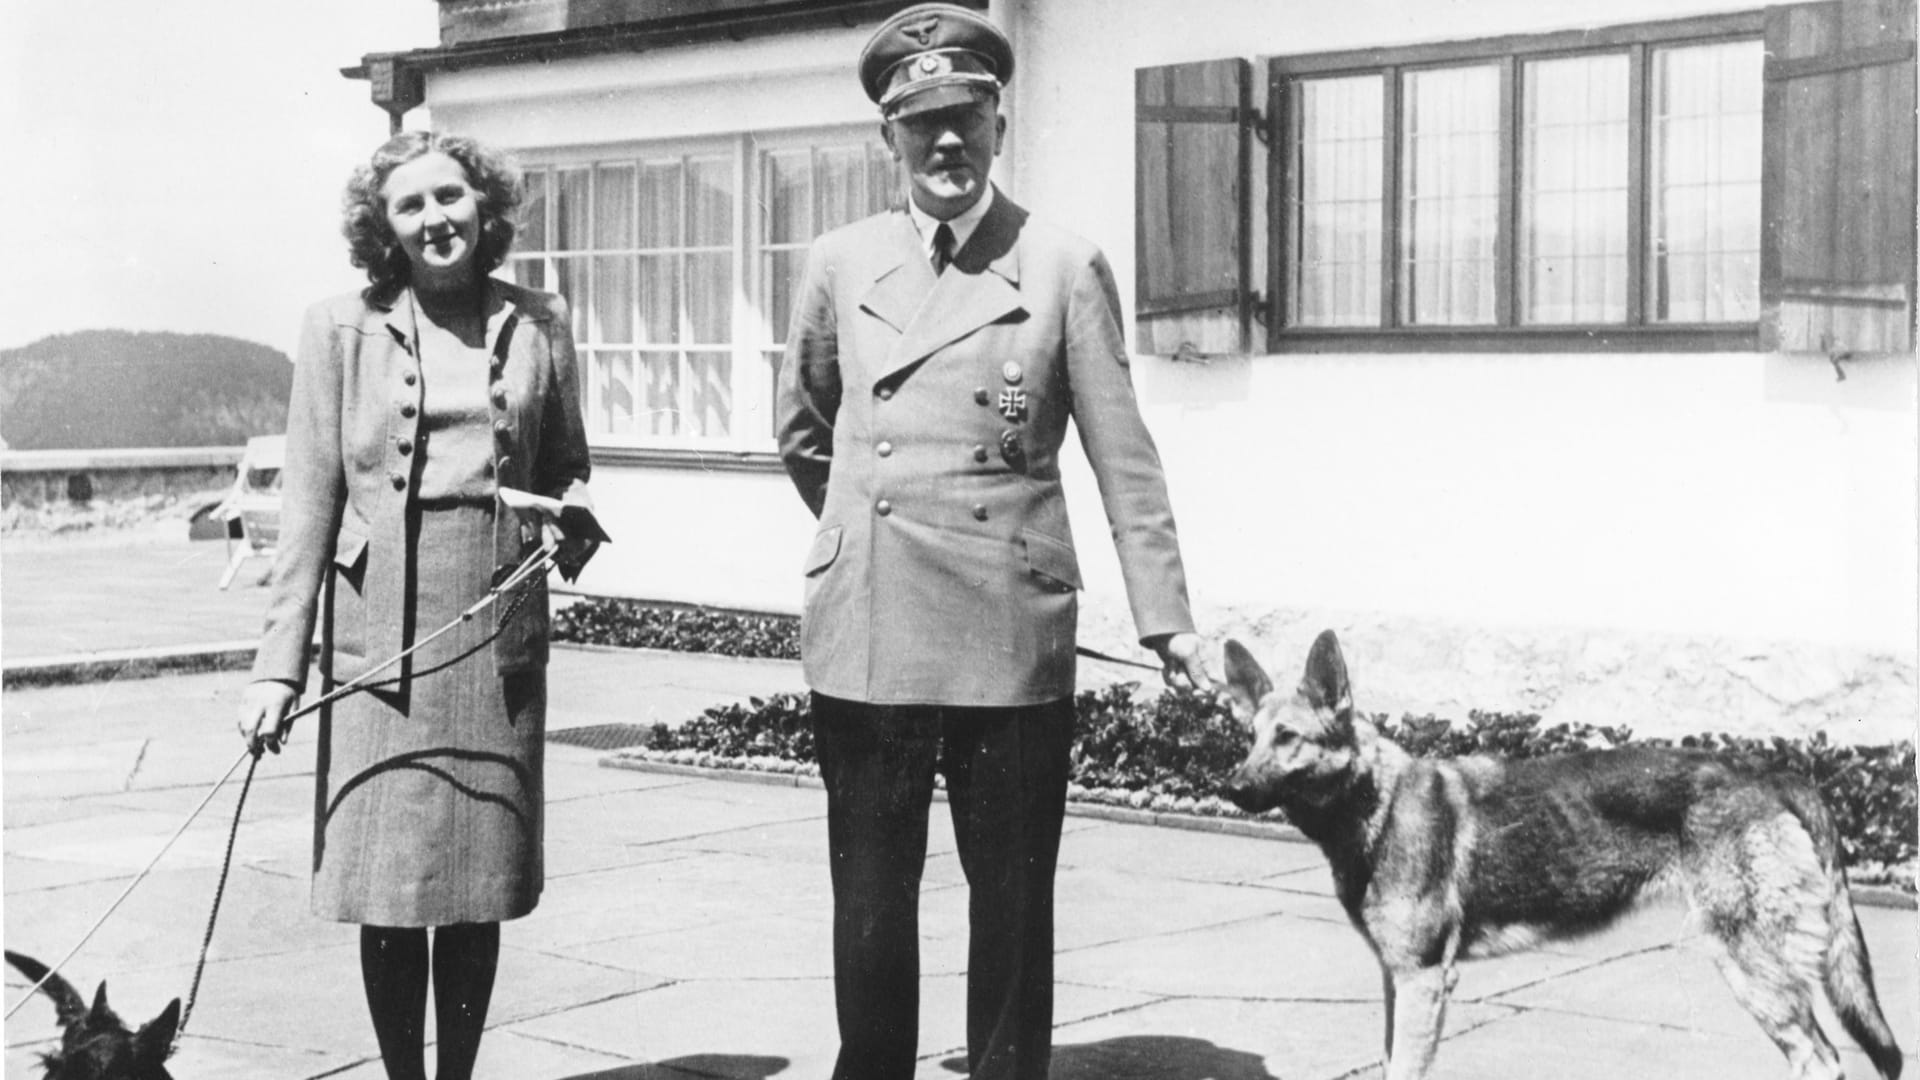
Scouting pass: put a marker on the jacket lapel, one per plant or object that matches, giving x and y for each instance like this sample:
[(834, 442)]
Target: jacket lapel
[(981, 287), (904, 280)]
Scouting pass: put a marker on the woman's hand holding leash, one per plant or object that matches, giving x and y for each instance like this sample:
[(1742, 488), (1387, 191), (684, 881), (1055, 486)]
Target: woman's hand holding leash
[(264, 709)]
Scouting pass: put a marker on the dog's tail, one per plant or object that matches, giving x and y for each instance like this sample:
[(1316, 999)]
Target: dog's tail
[(1848, 969), (1850, 981), (68, 1005)]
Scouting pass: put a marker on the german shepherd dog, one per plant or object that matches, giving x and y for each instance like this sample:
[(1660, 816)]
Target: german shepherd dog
[(1440, 860), (94, 1043)]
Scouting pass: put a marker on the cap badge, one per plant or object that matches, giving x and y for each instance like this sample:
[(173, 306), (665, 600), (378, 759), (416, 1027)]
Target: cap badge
[(932, 63), (923, 31), (1013, 405)]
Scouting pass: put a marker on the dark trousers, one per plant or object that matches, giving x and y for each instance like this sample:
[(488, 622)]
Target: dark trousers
[(1006, 771)]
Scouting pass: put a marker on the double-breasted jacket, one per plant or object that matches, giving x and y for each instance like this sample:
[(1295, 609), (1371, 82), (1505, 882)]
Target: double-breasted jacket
[(353, 442), (921, 417)]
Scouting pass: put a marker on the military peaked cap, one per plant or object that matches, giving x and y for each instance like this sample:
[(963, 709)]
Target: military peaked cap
[(931, 56)]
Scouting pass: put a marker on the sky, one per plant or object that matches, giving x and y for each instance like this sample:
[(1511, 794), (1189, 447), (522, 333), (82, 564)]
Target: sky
[(178, 165)]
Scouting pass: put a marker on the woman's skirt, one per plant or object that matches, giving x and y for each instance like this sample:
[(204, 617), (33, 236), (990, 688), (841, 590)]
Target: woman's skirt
[(429, 798)]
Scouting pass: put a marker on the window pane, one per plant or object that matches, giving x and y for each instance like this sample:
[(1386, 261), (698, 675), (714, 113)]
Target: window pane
[(709, 297), (883, 179), (1336, 203), (1450, 195), (1573, 197), (569, 281), (660, 372), (533, 214), (614, 210), (610, 392), (659, 308), (531, 273), (571, 211), (660, 204), (780, 277), (611, 317), (710, 202), (710, 401), (1704, 251), (843, 196), (788, 196)]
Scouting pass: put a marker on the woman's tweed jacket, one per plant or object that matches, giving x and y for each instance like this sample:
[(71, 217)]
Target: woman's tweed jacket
[(352, 430)]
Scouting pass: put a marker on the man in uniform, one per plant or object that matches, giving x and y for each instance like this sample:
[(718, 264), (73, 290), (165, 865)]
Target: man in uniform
[(935, 357)]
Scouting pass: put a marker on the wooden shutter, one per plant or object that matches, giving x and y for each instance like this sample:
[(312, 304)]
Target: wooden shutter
[(1193, 220), (1837, 199)]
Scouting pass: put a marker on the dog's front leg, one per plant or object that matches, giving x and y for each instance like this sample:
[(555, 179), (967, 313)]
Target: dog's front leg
[(1386, 983), (1418, 999)]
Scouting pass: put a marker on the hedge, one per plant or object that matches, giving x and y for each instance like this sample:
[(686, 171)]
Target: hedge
[(1169, 752)]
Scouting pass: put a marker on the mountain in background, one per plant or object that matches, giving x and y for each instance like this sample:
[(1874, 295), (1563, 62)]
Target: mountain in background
[(112, 389)]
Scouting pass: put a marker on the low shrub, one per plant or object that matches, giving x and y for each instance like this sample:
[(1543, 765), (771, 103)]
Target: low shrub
[(1170, 752), (634, 625)]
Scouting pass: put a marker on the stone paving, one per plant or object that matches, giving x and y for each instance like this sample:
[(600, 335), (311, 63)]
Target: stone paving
[(684, 930)]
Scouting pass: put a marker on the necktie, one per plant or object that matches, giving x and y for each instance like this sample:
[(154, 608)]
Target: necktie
[(942, 248)]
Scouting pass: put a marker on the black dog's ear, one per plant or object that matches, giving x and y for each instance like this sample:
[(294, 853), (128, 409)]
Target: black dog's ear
[(155, 1040), (1246, 680), (1325, 682), (100, 1012)]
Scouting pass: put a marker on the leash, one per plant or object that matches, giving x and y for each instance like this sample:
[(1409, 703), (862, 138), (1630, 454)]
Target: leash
[(536, 563), (1095, 654)]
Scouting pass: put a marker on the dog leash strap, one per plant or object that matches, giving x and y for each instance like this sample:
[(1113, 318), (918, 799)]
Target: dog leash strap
[(1095, 654), (219, 892)]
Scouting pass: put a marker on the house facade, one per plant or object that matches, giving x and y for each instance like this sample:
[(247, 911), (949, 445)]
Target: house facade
[(1560, 356)]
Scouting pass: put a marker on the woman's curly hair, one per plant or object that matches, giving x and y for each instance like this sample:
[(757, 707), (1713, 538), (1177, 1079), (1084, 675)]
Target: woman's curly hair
[(371, 243)]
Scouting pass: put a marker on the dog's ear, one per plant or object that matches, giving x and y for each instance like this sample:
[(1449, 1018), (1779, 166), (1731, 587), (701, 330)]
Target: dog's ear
[(100, 1013), (1325, 682), (1246, 680), (155, 1040)]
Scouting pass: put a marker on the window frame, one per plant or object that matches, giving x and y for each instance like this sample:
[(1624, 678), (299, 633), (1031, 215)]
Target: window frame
[(1509, 333), (748, 345)]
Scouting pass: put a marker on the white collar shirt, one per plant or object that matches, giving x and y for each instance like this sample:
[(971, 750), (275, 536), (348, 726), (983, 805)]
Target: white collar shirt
[(962, 225)]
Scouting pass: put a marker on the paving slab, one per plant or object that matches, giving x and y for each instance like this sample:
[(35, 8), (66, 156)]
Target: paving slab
[(685, 928)]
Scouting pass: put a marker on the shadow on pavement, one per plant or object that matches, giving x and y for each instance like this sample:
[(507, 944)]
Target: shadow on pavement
[(696, 1067), (1146, 1057)]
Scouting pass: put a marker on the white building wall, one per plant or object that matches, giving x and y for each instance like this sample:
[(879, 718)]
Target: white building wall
[(1677, 542)]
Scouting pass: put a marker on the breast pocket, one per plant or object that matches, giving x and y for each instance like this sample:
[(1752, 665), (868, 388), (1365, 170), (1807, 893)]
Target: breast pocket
[(347, 620)]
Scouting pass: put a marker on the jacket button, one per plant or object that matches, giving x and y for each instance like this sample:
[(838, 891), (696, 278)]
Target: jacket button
[(979, 511), (883, 508), (408, 409), (504, 461), (409, 378), (980, 454), (499, 397), (980, 395), (404, 445), (399, 482), (501, 429), (885, 449), (886, 393)]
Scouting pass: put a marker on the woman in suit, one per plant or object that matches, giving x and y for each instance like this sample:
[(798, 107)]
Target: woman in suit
[(414, 402)]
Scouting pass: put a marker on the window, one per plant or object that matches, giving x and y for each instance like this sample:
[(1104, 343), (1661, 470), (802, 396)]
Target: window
[(1726, 182), (1507, 176), (679, 264)]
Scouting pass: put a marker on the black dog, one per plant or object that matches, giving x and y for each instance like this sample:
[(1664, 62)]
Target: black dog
[(95, 1044)]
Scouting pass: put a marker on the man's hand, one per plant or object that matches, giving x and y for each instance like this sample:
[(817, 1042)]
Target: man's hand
[(1183, 661), (264, 706)]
